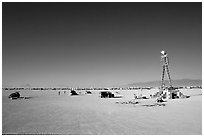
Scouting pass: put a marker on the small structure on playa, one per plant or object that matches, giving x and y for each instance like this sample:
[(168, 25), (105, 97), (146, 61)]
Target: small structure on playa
[(167, 92), (15, 95), (108, 94), (73, 92)]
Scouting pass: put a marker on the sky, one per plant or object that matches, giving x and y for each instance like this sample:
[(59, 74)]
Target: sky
[(99, 44)]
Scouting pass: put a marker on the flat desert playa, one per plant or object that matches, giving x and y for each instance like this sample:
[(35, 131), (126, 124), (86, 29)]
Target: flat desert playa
[(46, 112)]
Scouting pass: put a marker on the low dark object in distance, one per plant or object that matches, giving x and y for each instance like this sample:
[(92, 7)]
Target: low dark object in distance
[(160, 100), (14, 95), (88, 92), (73, 93), (143, 97)]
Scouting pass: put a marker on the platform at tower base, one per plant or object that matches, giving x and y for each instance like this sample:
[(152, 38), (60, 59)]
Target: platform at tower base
[(170, 93)]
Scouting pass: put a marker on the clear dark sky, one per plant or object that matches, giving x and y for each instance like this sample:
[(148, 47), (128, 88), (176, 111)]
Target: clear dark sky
[(99, 44)]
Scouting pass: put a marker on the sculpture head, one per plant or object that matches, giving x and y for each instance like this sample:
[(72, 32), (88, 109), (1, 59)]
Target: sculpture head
[(163, 52)]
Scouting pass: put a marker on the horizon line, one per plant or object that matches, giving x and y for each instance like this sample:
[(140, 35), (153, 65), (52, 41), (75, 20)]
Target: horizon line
[(111, 85)]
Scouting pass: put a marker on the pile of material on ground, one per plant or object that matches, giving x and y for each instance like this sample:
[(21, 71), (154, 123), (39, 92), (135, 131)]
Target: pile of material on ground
[(128, 102)]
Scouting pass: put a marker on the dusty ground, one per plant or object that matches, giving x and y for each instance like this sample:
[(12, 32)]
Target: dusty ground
[(46, 112)]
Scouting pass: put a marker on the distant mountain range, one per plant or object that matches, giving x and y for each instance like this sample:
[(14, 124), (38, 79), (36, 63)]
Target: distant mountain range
[(180, 82)]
